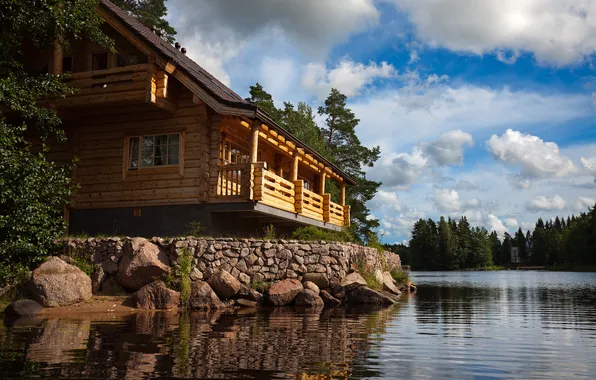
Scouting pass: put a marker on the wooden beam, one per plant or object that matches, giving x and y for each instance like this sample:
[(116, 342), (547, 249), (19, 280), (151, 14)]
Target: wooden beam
[(254, 141), (342, 193), (322, 184), (295, 167)]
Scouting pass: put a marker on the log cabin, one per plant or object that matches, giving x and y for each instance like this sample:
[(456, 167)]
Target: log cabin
[(161, 143)]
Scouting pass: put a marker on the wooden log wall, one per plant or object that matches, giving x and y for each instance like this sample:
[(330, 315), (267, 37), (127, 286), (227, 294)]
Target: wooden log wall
[(101, 151)]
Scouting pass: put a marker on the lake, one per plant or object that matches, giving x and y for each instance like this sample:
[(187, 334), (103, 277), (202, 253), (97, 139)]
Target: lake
[(459, 325)]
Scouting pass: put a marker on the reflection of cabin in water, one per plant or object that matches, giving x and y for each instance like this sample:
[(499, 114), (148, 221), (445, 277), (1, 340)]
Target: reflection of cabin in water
[(162, 143)]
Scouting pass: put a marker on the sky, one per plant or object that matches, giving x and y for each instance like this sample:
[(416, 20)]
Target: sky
[(481, 108)]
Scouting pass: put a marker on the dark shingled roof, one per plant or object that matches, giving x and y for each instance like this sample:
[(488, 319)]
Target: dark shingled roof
[(207, 81)]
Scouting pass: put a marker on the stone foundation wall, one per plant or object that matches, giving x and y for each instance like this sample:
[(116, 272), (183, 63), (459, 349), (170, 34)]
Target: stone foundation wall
[(249, 260)]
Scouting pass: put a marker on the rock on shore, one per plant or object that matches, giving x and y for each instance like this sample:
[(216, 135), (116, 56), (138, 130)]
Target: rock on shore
[(56, 283)]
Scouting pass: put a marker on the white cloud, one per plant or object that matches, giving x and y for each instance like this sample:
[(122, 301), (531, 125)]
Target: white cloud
[(214, 32), (519, 182), (583, 203), (542, 203), (404, 117), (495, 224), (285, 70), (348, 77), (403, 169), (589, 164), (511, 223), (449, 148), (558, 32), (536, 158), (466, 185), (386, 201), (447, 200)]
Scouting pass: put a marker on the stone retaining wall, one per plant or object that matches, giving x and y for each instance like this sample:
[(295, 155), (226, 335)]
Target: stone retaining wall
[(249, 260)]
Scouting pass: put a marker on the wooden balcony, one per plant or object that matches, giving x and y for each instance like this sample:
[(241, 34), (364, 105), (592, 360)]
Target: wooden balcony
[(134, 84), (252, 182)]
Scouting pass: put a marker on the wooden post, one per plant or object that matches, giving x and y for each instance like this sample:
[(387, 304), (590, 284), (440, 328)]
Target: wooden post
[(295, 167), (57, 58), (258, 169), (279, 164), (326, 207), (298, 197), (322, 183), (254, 141), (342, 193), (346, 216)]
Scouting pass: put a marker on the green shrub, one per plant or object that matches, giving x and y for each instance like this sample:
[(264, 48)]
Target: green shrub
[(83, 260), (179, 277), (260, 287), (401, 277), (312, 233), (269, 232), (194, 229), (368, 274)]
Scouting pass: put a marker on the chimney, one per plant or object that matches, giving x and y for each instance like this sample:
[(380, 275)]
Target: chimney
[(177, 45), (183, 50)]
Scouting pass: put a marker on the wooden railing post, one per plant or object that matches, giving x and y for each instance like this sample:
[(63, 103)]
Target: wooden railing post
[(346, 215), (298, 197), (342, 193), (295, 167), (326, 207), (257, 190), (323, 178)]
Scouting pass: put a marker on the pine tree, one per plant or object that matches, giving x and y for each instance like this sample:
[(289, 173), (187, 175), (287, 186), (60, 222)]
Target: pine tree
[(351, 156), (264, 100), (151, 13)]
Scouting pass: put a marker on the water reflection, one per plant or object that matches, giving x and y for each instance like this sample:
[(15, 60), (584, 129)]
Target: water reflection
[(270, 344), (503, 325)]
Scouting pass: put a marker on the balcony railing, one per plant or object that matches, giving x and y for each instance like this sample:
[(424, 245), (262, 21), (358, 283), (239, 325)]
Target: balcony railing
[(254, 182), (117, 85)]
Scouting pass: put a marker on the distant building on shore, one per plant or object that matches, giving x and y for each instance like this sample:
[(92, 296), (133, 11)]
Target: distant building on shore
[(515, 259)]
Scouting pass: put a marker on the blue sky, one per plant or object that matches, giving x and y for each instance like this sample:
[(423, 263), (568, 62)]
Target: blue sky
[(481, 108)]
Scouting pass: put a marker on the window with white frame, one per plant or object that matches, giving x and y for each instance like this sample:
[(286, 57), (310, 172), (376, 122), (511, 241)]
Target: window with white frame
[(154, 151)]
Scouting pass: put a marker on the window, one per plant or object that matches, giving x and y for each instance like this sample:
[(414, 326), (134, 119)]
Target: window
[(99, 61), (153, 151), (232, 154), (307, 184), (67, 64)]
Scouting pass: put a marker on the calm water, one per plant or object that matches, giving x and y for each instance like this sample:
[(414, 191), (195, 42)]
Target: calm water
[(470, 325)]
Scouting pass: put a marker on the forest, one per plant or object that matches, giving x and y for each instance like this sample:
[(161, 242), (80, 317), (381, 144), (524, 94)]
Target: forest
[(562, 243)]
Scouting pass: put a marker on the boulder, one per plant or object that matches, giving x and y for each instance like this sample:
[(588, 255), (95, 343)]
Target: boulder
[(109, 266), (111, 287), (97, 279), (312, 286), (352, 281), (156, 296), (249, 294), (366, 295), (389, 284), (328, 299), (23, 308), (246, 303), (284, 291), (56, 283), (224, 284), (319, 279), (142, 263), (378, 275), (308, 298), (202, 297)]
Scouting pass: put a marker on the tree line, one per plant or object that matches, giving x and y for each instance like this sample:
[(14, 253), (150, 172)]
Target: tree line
[(563, 243)]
